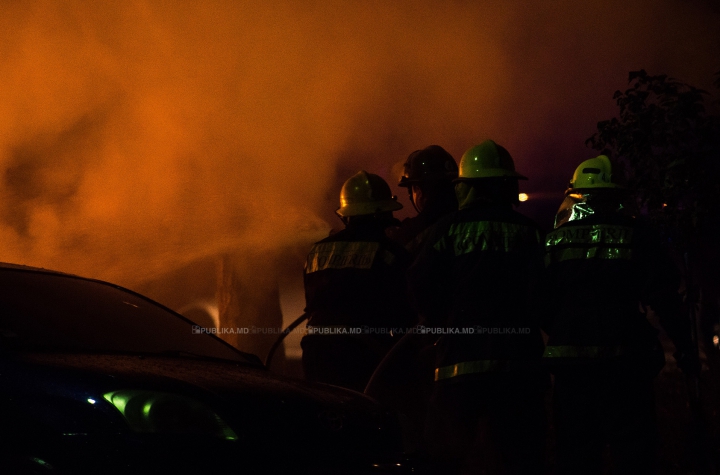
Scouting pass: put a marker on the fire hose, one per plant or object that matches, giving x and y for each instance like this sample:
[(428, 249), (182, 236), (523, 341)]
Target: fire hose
[(282, 336)]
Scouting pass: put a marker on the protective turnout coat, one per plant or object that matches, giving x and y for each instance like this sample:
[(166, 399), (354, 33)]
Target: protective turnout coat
[(355, 291), (356, 278), (604, 269), (476, 283)]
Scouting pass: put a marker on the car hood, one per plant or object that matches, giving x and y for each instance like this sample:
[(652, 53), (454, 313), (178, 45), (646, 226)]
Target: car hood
[(209, 375), (256, 404)]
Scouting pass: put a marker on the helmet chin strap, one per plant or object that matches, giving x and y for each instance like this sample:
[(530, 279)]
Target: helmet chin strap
[(344, 219), (412, 200)]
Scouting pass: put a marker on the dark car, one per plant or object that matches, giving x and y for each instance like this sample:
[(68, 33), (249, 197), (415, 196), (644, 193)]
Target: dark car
[(98, 379)]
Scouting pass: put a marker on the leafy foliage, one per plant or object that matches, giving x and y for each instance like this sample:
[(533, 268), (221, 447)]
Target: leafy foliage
[(668, 150)]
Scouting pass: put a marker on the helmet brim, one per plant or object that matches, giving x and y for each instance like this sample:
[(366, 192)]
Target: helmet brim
[(491, 173), (408, 182), (364, 209)]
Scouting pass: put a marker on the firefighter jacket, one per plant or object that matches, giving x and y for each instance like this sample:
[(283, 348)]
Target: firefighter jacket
[(475, 284), (603, 269), (356, 279)]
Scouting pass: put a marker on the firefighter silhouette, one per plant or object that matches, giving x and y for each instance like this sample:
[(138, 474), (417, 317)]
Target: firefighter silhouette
[(355, 288), (605, 268), (476, 282)]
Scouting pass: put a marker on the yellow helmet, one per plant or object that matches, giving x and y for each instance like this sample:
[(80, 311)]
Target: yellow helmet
[(487, 160), (593, 173), (366, 193)]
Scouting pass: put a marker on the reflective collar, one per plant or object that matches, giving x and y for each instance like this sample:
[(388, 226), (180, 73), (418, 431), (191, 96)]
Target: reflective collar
[(578, 206)]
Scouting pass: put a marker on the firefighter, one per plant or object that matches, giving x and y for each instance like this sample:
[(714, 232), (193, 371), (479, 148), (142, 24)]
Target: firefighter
[(355, 288), (474, 284), (428, 176), (401, 382), (605, 268)]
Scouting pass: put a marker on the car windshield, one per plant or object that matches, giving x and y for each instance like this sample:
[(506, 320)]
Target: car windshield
[(42, 311)]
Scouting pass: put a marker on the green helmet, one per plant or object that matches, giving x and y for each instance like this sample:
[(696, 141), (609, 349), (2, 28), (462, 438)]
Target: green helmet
[(593, 173), (487, 160), (365, 193)]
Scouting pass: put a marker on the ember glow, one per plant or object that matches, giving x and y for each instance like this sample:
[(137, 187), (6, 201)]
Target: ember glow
[(138, 136)]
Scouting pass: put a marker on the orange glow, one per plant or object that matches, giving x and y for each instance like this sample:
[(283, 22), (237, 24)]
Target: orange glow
[(138, 136)]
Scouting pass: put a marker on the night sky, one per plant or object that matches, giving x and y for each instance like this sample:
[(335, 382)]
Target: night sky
[(139, 136)]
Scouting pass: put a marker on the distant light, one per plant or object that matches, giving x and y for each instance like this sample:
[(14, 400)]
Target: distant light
[(91, 400), (523, 197), (716, 341)]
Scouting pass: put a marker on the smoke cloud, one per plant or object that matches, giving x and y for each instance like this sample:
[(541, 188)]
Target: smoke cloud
[(138, 136)]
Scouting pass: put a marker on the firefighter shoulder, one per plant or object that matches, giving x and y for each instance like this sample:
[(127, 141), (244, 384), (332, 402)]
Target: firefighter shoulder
[(475, 285), (355, 288), (428, 176)]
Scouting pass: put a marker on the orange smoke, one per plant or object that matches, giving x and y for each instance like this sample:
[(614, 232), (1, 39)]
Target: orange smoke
[(138, 136)]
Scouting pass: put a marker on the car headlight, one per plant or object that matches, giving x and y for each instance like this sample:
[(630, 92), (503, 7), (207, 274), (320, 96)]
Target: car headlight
[(161, 412)]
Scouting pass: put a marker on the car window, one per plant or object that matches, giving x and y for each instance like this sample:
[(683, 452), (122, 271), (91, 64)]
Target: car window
[(54, 312)]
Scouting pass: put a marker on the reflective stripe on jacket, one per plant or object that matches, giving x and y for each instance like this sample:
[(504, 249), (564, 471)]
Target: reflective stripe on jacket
[(595, 241), (601, 270), (470, 367), (356, 277)]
